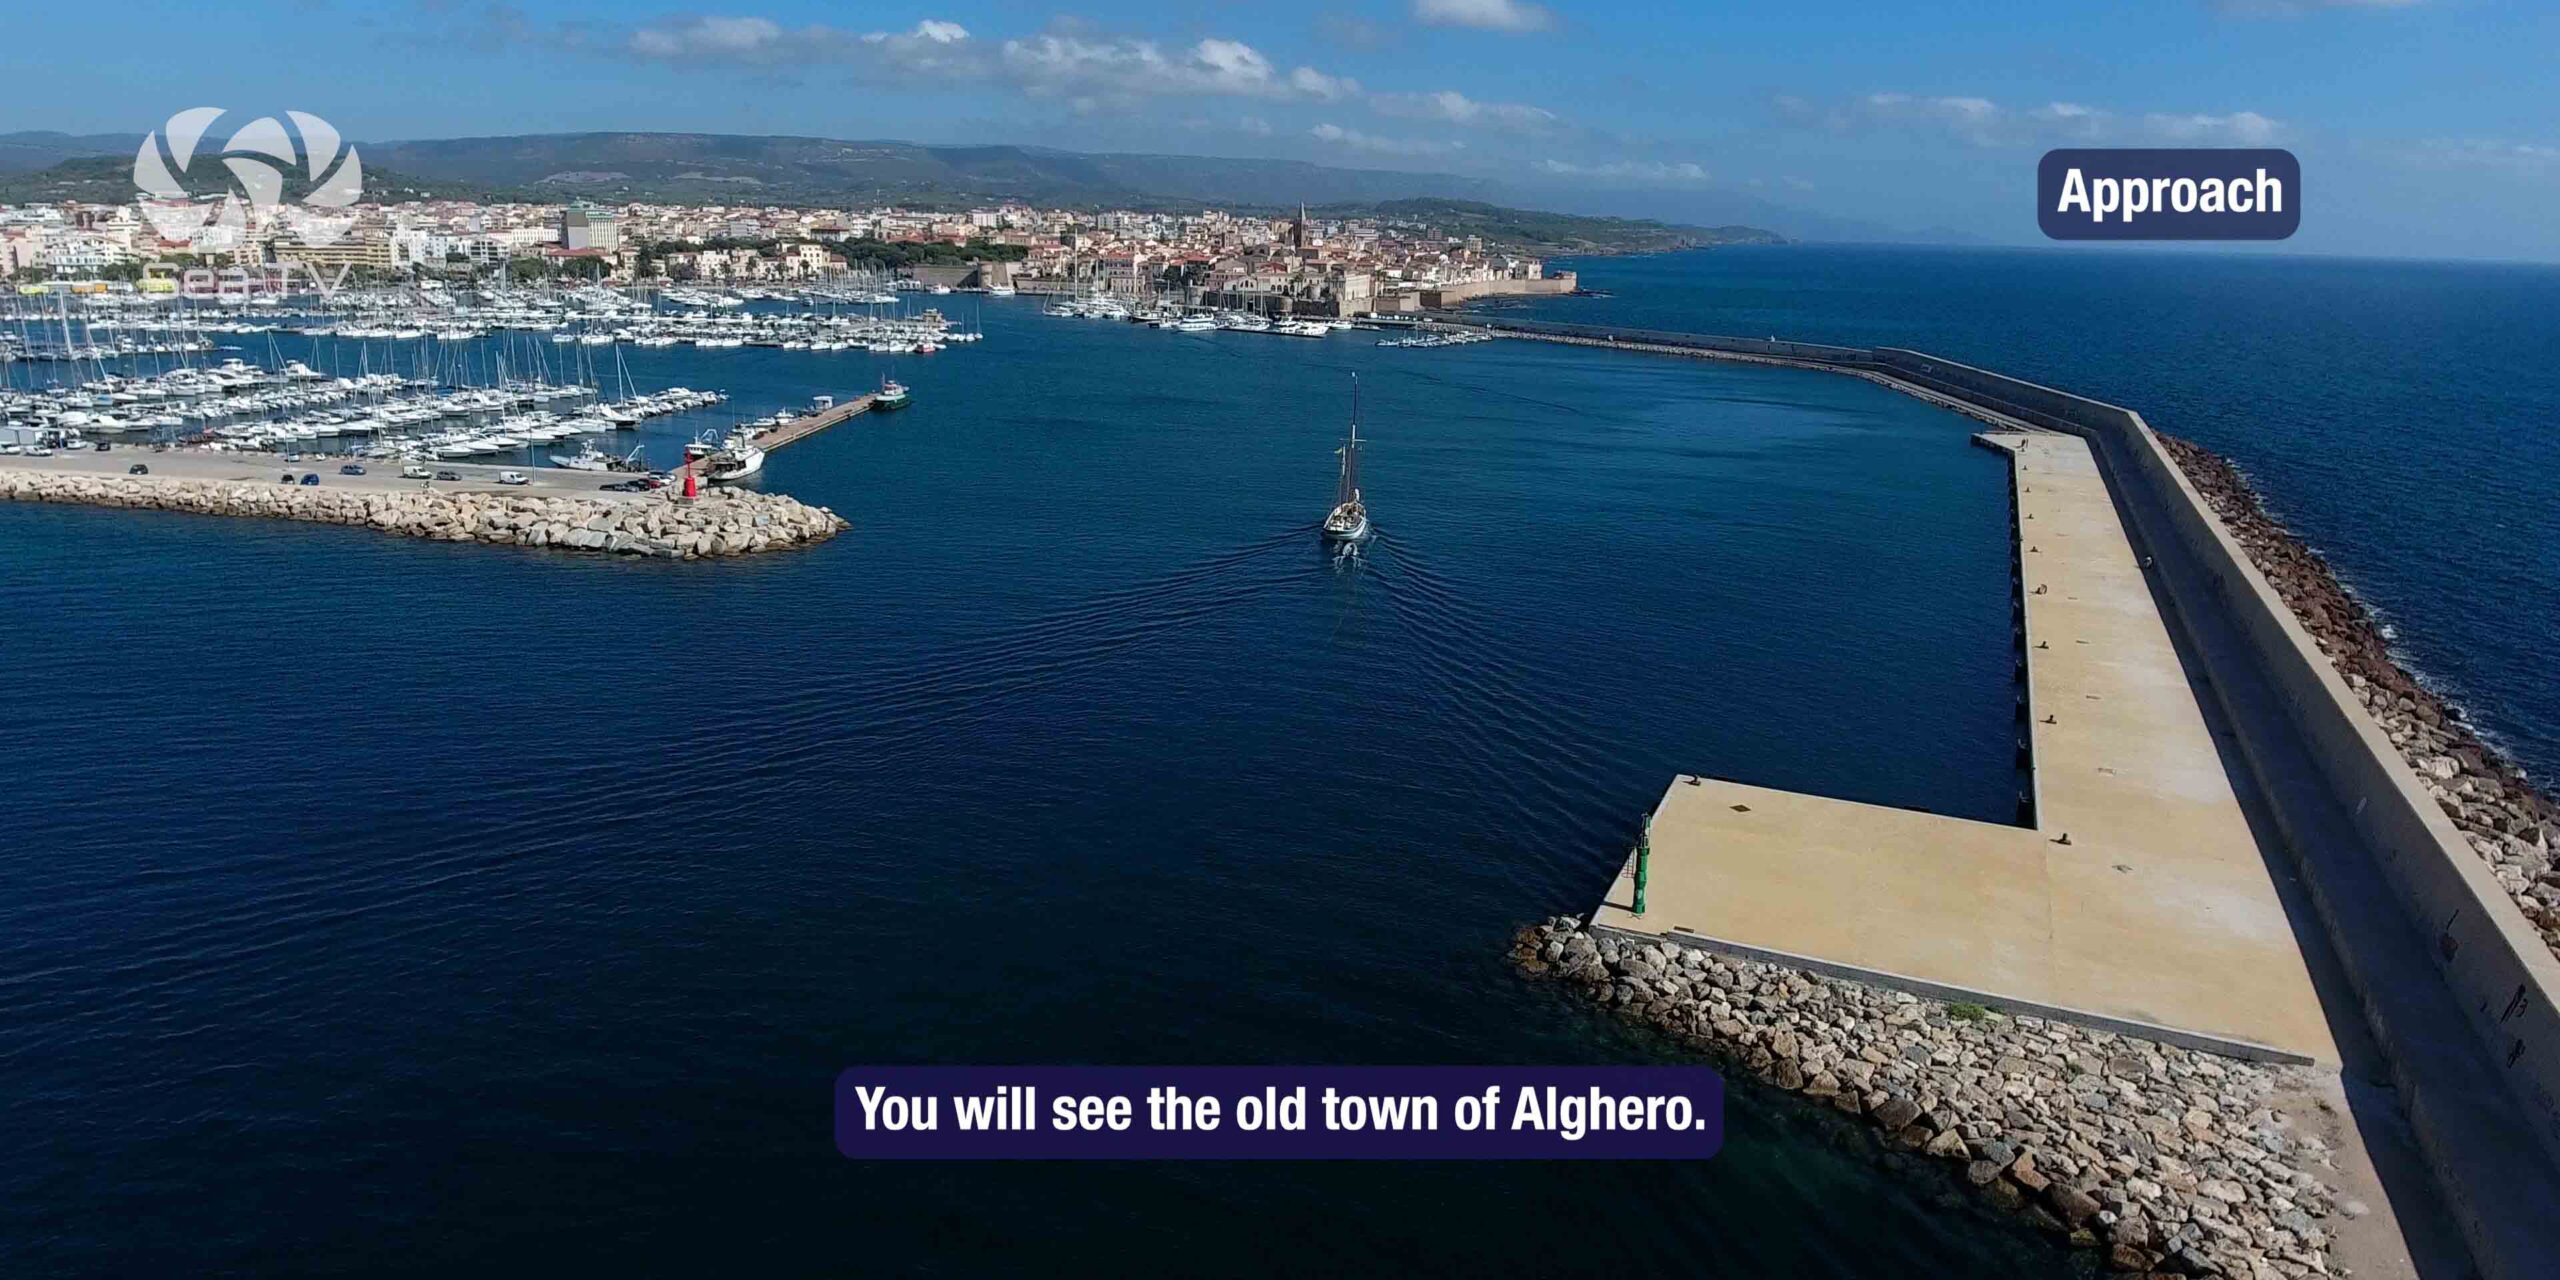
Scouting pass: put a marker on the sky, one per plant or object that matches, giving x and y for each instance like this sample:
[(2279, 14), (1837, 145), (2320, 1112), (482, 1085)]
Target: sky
[(2425, 127)]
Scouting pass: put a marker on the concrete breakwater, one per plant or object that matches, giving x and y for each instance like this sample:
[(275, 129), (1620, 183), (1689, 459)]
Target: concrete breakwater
[(725, 522), (2509, 822), (2169, 1160), (2363, 800)]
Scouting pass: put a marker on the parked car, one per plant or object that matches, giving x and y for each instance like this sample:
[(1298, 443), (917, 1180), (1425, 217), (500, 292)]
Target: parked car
[(137, 469), (514, 477), (311, 477), (413, 471), (351, 469), (103, 446), (448, 475), (286, 478)]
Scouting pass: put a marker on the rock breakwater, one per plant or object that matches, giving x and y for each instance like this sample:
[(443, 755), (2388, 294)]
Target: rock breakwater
[(2169, 1160), (2508, 821), (724, 522)]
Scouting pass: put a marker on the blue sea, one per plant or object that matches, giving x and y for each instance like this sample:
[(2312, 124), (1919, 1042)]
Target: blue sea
[(387, 906), (2403, 417)]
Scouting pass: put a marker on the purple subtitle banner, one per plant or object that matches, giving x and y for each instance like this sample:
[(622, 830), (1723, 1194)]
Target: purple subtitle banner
[(1279, 1113)]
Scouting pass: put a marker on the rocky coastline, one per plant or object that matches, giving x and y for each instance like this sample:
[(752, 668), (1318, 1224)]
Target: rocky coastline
[(723, 522), (2506, 819), (2167, 1160)]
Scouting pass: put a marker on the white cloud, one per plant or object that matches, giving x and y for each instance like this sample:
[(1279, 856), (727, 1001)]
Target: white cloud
[(1984, 123), (2531, 159), (1351, 31), (1683, 173), (932, 47), (1453, 107), (1969, 118), (1088, 70), (2068, 117), (2297, 8), (2241, 128), (1123, 68), (709, 40), (1484, 15), (1355, 140)]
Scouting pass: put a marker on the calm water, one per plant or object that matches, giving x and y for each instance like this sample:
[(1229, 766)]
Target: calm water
[(2403, 416), (393, 906)]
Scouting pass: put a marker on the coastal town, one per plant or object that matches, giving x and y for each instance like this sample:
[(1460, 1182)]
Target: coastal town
[(1291, 264)]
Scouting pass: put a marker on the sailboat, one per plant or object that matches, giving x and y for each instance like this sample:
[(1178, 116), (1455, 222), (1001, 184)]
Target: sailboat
[(1349, 520)]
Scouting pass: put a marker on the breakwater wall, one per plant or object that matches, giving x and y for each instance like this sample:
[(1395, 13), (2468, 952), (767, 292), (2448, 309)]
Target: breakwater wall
[(2170, 1160), (2459, 989), (723, 523), (1462, 292), (1812, 353)]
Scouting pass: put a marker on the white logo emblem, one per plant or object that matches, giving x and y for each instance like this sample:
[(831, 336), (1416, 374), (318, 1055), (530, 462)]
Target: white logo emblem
[(260, 158)]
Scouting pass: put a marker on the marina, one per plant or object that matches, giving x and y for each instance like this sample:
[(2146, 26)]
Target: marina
[(1023, 562), (1433, 638), (403, 378), (1433, 663)]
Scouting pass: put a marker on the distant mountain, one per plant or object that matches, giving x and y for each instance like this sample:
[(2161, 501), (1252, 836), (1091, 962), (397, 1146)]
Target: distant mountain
[(108, 179), (1554, 233), (721, 168), (741, 169), (21, 152)]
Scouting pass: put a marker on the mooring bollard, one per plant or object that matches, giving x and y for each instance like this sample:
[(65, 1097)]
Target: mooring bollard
[(1644, 861)]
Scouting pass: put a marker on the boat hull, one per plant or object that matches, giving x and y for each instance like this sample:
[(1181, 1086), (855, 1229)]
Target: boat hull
[(746, 464)]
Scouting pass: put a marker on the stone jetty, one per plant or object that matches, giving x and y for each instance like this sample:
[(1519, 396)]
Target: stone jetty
[(2167, 1160), (2508, 821), (723, 522)]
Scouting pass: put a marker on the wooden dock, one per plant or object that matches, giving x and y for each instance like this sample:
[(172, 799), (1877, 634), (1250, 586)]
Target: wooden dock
[(798, 429)]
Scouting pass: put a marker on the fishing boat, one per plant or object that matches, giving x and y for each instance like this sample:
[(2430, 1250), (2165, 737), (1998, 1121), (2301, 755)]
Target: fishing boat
[(727, 461), (1349, 520), (734, 464), (590, 458), (892, 395)]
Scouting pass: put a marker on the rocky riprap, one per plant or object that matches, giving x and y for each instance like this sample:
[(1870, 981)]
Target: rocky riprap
[(2168, 1160), (2509, 822), (724, 522)]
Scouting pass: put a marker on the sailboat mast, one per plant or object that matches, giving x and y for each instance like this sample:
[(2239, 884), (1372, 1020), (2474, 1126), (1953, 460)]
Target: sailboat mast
[(1350, 485)]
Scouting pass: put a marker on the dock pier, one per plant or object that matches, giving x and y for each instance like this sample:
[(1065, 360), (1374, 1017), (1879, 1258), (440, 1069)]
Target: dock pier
[(2224, 850), (2135, 899), (800, 428)]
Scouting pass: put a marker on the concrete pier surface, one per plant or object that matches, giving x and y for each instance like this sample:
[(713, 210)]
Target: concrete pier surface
[(381, 475), (2140, 901), (802, 427), (2443, 1001)]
